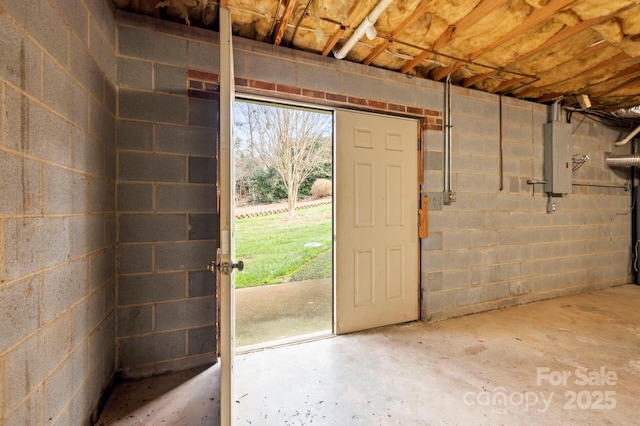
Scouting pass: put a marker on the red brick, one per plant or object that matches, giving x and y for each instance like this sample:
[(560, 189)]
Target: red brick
[(338, 98), (416, 111), (396, 107), (377, 104), (195, 85), (203, 75), (242, 82), (433, 113), (357, 101), (257, 84), (313, 93), (211, 87), (287, 89)]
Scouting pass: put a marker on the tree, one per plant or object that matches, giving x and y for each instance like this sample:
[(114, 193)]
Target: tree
[(293, 141)]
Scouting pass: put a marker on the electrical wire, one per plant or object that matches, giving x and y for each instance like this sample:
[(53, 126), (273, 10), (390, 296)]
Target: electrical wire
[(579, 160)]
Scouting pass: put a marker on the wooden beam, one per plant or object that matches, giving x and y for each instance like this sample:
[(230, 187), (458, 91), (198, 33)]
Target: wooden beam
[(536, 17), (333, 40), (619, 57), (410, 20), (479, 12), (442, 40), (505, 85), (282, 26), (223, 4), (376, 52), (549, 97), (470, 81), (630, 83)]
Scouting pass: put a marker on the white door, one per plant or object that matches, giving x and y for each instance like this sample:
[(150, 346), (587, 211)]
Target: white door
[(377, 252), (227, 196)]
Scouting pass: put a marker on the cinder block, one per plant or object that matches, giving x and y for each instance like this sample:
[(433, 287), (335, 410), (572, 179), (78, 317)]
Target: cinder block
[(53, 36), (203, 226), (85, 69), (110, 100), (64, 286), (76, 16), (64, 191), (203, 170), (101, 341), (110, 296), (140, 228), (319, 78), (109, 229), (202, 340), (186, 198), (202, 283), (135, 197), (87, 153), (20, 59), (102, 267), (170, 79), (157, 347), (86, 397), (86, 234), (35, 130), (184, 314), (135, 73), (58, 88), (203, 112), (192, 255), (102, 123), (203, 57), (28, 413), (60, 386), (141, 43), (86, 315), (186, 140), (138, 289), (132, 259), (110, 163), (359, 86), (135, 135), (103, 195), (269, 68), (30, 362), (103, 51), (20, 312), (152, 106), (32, 244), (390, 91), (136, 166), (135, 320), (20, 185)]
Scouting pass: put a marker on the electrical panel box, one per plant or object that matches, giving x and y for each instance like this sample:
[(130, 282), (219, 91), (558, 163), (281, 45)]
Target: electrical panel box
[(557, 157)]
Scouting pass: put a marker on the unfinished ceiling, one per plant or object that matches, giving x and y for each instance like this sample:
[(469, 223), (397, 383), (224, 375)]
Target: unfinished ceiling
[(541, 50)]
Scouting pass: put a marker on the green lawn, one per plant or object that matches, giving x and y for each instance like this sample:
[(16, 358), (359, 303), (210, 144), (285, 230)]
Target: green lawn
[(273, 247)]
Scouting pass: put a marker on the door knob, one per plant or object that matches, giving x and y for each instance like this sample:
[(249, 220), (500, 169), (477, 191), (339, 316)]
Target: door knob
[(225, 267)]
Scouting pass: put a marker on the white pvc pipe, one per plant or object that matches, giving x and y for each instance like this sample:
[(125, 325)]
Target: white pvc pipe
[(365, 27), (628, 138)]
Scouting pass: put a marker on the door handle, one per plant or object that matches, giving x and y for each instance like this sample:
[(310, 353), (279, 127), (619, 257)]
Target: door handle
[(225, 267)]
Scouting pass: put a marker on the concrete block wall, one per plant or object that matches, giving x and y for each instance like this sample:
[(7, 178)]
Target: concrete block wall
[(494, 248), (166, 203), (57, 209)]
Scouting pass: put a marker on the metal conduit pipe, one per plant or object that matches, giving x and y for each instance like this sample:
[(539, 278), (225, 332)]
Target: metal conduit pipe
[(447, 197), (632, 160)]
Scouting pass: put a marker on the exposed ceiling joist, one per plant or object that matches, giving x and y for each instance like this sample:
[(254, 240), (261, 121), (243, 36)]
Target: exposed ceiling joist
[(282, 26)]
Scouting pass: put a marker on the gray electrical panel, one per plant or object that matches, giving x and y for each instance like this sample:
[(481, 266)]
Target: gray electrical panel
[(557, 157)]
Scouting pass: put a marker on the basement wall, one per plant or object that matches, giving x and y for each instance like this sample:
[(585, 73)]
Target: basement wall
[(492, 248), (166, 202), (57, 209)]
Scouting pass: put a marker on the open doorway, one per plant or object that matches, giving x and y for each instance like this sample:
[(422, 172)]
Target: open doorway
[(283, 222)]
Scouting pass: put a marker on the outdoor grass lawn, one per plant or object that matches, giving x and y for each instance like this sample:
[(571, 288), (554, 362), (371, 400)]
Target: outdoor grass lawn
[(273, 247)]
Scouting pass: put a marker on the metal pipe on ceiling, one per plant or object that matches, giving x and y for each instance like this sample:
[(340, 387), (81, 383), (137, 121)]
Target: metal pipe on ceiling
[(366, 27), (632, 160)]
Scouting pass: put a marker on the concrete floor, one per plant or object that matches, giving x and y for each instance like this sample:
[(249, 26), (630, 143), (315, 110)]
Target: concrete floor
[(278, 311), (573, 360)]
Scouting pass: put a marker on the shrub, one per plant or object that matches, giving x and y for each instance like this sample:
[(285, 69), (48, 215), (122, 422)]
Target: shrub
[(322, 188)]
